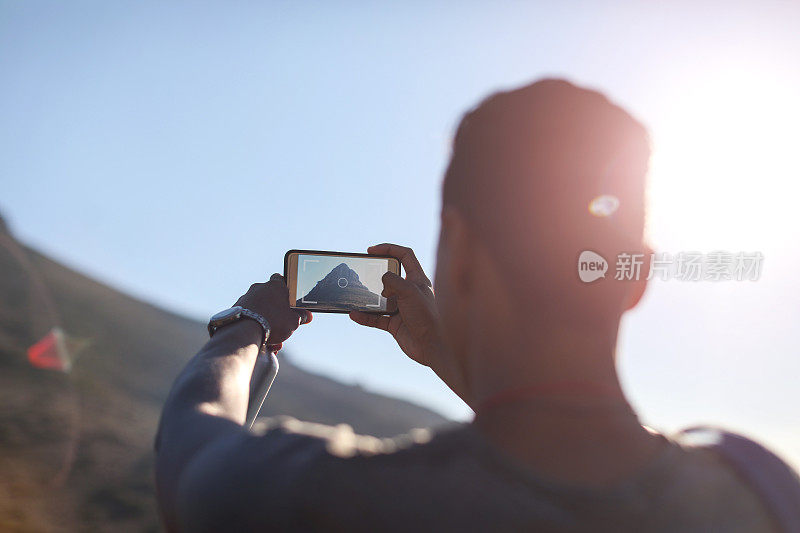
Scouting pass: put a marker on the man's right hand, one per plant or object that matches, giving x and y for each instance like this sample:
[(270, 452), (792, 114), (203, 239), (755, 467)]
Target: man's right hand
[(416, 326)]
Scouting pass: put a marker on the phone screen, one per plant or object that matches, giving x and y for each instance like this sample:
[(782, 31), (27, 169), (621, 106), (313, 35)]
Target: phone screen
[(338, 282)]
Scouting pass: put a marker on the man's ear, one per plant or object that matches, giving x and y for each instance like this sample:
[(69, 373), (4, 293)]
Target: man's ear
[(639, 286), (456, 240)]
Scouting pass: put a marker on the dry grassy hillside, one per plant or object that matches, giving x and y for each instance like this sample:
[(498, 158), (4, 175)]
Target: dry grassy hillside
[(75, 448)]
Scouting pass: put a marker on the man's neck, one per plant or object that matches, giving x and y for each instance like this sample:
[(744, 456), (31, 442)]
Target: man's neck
[(516, 356), (553, 402)]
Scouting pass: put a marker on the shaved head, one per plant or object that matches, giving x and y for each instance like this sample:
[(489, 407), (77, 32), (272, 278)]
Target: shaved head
[(525, 168)]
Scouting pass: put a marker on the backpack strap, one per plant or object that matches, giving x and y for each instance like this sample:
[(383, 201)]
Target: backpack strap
[(777, 485)]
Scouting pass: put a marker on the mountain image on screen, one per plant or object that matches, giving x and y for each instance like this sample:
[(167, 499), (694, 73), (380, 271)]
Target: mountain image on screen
[(341, 289)]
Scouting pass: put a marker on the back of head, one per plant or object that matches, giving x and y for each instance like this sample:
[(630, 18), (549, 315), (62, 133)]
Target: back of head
[(525, 169)]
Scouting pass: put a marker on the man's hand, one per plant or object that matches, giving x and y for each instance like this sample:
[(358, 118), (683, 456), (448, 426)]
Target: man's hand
[(416, 326), (271, 300)]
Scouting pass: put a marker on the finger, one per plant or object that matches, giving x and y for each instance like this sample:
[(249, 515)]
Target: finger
[(406, 257), (371, 320), (394, 285), (279, 283), (256, 287), (305, 316)]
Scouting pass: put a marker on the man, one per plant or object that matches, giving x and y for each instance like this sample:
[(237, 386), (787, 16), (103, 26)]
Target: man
[(512, 330)]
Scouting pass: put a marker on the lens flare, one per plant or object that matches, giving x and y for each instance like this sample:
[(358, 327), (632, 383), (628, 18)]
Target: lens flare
[(604, 205)]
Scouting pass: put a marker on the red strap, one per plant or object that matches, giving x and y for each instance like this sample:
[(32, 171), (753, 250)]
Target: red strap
[(572, 388)]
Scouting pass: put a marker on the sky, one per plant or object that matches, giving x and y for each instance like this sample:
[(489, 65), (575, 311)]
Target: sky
[(176, 150)]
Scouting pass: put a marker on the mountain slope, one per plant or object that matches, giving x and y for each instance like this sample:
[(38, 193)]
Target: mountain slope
[(75, 449), (341, 289)]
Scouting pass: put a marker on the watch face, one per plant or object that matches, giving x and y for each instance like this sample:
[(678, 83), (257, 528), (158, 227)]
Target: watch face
[(227, 314)]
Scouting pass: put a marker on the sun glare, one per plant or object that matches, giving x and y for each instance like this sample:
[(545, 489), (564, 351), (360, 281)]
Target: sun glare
[(725, 166)]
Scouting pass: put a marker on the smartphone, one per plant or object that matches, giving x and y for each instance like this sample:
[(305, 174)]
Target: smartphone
[(336, 282)]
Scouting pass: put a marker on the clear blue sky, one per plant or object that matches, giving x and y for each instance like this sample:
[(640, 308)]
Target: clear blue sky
[(177, 149)]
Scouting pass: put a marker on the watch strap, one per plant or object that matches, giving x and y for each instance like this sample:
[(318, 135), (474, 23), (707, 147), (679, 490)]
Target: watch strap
[(242, 313), (261, 322)]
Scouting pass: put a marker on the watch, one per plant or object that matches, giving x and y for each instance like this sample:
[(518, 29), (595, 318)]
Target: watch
[(235, 314)]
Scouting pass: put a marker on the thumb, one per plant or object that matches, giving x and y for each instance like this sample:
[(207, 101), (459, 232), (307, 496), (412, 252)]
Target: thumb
[(370, 319), (394, 285)]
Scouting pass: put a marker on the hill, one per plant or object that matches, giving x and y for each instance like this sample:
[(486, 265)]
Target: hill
[(342, 289), (76, 447)]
